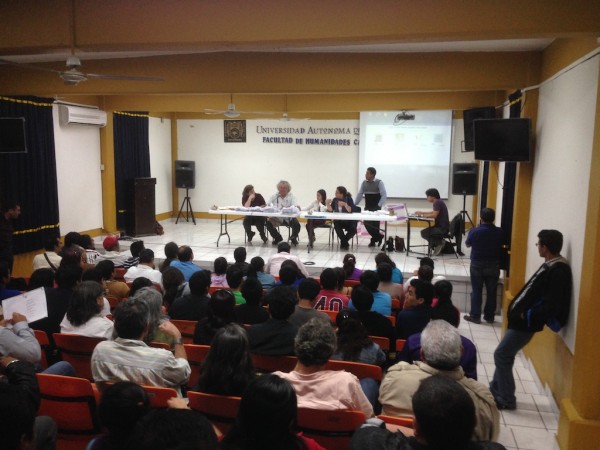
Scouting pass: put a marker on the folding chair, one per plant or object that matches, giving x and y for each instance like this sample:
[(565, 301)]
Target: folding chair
[(162, 345), (454, 236), (220, 410), (383, 342), (361, 370), (158, 396), (187, 328), (44, 342), (196, 354), (332, 429), (71, 402), (273, 363), (407, 422), (77, 350)]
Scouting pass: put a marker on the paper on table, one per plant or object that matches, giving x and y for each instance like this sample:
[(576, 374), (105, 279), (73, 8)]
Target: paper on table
[(31, 304)]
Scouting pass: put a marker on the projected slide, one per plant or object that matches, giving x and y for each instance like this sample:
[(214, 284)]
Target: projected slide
[(410, 150)]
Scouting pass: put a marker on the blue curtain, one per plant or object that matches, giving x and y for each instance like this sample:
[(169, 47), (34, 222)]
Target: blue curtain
[(30, 178), (132, 156)]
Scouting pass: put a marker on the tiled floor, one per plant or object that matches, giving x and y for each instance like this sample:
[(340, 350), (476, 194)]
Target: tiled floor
[(531, 427)]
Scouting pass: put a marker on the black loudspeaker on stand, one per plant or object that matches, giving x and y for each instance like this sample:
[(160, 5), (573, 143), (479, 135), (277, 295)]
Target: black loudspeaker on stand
[(464, 182), (185, 178)]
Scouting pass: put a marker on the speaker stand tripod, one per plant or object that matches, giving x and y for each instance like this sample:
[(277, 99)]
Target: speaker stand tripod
[(464, 213), (188, 208)]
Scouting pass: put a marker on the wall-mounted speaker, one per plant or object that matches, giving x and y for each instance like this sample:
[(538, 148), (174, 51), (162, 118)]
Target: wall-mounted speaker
[(469, 115), (464, 178), (185, 174)]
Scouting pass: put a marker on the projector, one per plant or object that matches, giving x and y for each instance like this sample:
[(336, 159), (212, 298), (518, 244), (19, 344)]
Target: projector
[(404, 115)]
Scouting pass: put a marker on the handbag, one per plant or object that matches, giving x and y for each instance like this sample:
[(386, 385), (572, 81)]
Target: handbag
[(400, 246)]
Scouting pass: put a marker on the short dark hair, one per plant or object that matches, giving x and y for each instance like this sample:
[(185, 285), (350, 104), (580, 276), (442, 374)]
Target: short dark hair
[(445, 413), (487, 215), (252, 291), (362, 298), (328, 279), (372, 170), (199, 282), (432, 192), (234, 276), (283, 247), (239, 254), (443, 290), (552, 239), (281, 301), (50, 243), (424, 290), (370, 279), (146, 256), (384, 270), (220, 265), (106, 267), (171, 249), (308, 289), (136, 247), (43, 277), (72, 237), (86, 241), (139, 283), (257, 263), (131, 318), (68, 275), (173, 429), (425, 273), (427, 261), (185, 253), (288, 274)]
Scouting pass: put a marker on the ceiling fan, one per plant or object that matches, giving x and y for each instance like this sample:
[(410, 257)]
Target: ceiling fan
[(72, 76), (231, 112)]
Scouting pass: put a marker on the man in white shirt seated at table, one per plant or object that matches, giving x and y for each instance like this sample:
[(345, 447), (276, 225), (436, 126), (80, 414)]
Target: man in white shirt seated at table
[(283, 199)]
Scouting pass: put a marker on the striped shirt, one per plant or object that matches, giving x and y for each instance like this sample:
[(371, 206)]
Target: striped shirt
[(133, 360)]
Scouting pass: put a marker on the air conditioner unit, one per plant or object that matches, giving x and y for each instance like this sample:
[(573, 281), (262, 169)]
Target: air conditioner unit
[(77, 115)]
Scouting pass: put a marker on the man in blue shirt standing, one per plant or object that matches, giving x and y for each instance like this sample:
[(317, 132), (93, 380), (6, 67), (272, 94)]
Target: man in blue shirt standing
[(486, 242)]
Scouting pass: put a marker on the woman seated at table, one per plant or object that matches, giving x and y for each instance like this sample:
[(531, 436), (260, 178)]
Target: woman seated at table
[(249, 199), (319, 205), (343, 203)]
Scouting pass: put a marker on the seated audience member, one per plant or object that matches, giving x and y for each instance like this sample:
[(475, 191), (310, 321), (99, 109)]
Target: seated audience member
[(319, 388), (72, 239), (112, 251), (382, 301), (441, 349), (185, 262), (95, 275), (283, 254), (235, 278), (5, 292), (221, 311), (426, 261), (114, 288), (383, 257), (343, 203), (384, 270), (84, 314), (173, 285), (308, 292), (19, 341), (239, 256), (50, 259), (192, 306), (41, 278), (217, 278), (145, 268), (442, 304), (329, 299), (353, 341), (341, 280), (135, 248), (266, 418), (251, 312), (128, 358), (349, 266), (138, 283), (416, 311), (19, 401), (173, 429), (228, 368), (375, 323), (153, 300), (276, 335), (121, 406), (444, 417), (266, 279), (252, 199), (289, 275), (91, 254), (57, 299), (170, 250)]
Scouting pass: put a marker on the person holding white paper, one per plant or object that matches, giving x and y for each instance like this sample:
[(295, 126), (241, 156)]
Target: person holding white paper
[(19, 341)]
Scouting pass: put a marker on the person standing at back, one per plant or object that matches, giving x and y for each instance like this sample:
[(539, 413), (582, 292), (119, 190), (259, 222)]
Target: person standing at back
[(10, 211), (485, 241), (375, 196)]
